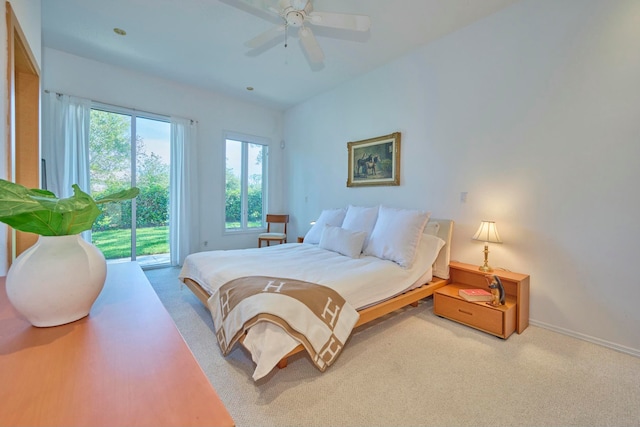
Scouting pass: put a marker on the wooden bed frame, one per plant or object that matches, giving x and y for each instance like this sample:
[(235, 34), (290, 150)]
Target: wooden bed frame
[(383, 308)]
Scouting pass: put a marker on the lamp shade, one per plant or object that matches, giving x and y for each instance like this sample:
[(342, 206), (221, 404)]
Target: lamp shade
[(487, 232)]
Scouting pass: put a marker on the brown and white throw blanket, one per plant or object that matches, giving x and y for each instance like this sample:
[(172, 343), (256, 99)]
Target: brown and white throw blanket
[(314, 315)]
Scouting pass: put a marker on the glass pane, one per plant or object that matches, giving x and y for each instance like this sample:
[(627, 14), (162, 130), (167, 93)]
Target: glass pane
[(233, 197), (153, 141), (110, 171), (255, 161)]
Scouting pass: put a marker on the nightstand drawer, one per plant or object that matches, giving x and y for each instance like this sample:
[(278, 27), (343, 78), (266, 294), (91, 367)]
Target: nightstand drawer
[(476, 315), (499, 321)]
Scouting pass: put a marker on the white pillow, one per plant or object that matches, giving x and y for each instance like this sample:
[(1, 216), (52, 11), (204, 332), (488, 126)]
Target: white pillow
[(429, 248), (397, 234), (327, 217), (432, 228), (360, 218), (345, 242)]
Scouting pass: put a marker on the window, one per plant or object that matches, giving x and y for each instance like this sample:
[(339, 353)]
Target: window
[(245, 182)]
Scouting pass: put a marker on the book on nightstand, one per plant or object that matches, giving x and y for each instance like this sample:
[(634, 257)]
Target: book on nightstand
[(475, 295)]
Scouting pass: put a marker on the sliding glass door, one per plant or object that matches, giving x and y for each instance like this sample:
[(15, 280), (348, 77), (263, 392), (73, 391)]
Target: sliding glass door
[(130, 149)]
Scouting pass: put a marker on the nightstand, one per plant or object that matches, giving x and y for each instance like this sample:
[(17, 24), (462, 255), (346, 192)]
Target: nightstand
[(501, 321)]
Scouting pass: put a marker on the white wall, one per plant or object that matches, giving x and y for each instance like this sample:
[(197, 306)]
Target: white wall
[(215, 114), (534, 112), (28, 14)]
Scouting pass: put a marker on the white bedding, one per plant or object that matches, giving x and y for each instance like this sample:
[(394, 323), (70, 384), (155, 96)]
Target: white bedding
[(361, 282)]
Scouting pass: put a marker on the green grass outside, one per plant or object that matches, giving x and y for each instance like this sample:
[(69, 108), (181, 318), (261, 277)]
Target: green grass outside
[(116, 244), (230, 225)]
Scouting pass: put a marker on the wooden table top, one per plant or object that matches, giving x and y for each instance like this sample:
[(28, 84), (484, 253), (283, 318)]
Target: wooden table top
[(124, 364)]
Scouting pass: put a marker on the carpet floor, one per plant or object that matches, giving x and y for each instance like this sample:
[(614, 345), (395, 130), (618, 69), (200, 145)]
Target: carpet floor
[(412, 368)]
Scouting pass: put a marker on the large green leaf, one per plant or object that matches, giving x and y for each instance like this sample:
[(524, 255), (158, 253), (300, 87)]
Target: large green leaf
[(119, 196), (40, 212)]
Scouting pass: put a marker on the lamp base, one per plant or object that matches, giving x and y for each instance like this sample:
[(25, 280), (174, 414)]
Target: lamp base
[(485, 267)]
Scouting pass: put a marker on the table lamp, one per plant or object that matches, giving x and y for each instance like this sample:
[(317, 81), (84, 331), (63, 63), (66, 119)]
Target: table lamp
[(487, 233)]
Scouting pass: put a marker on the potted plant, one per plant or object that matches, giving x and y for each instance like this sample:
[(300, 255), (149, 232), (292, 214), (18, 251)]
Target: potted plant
[(58, 279)]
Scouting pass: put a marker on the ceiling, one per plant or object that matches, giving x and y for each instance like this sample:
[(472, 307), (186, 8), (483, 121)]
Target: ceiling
[(201, 42)]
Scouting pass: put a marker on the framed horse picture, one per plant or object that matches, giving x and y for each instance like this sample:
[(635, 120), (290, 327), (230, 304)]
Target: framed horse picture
[(374, 161)]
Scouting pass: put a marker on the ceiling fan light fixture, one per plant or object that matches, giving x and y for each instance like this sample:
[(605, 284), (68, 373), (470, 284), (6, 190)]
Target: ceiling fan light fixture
[(295, 18)]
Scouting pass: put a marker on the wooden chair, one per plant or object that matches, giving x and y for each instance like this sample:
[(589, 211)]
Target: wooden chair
[(270, 236)]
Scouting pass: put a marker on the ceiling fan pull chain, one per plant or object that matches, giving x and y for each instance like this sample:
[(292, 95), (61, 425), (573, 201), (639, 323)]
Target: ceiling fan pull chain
[(286, 32)]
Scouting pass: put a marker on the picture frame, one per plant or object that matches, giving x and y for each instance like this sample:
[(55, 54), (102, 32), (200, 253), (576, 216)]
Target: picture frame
[(374, 161)]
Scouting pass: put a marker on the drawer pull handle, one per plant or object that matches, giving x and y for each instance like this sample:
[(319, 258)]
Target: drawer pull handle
[(465, 312)]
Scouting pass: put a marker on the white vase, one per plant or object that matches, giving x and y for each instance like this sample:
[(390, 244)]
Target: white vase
[(57, 280)]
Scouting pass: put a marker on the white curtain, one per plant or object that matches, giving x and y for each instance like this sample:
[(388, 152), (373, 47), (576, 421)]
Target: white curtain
[(65, 143), (182, 189)]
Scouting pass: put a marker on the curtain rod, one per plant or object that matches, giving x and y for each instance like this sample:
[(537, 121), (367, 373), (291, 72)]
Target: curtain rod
[(120, 106)]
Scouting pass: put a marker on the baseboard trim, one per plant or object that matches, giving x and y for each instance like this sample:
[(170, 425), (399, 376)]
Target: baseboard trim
[(623, 349)]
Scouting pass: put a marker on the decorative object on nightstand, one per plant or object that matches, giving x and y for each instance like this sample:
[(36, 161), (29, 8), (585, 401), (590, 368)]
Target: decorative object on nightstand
[(497, 290), (488, 233)]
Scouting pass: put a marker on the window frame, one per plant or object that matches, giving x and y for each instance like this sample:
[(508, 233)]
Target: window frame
[(245, 139)]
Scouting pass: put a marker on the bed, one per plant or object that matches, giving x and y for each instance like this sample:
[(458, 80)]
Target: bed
[(372, 286)]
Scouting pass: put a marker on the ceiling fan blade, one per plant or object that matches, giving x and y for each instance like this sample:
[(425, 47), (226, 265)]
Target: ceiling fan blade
[(265, 37), (340, 20), (284, 4), (298, 4), (311, 46), (308, 7)]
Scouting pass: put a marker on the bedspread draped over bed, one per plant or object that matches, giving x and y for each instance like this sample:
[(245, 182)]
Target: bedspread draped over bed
[(360, 281), (314, 315)]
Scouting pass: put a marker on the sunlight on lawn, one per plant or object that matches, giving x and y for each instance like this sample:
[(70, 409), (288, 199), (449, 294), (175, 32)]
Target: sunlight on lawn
[(116, 244)]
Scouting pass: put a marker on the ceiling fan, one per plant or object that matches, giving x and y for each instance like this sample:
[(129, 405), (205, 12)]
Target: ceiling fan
[(298, 13)]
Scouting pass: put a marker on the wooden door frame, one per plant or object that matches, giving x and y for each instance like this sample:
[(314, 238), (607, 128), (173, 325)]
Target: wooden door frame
[(23, 121)]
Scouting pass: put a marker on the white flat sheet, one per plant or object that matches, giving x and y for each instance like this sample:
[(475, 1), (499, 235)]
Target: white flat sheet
[(361, 281)]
